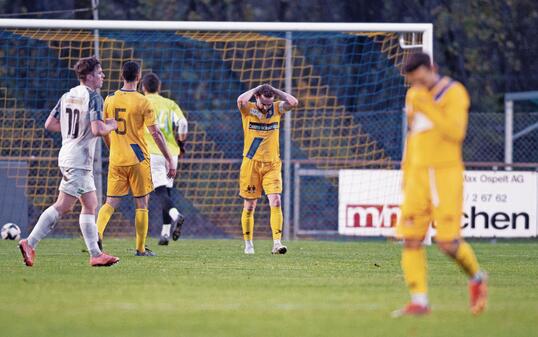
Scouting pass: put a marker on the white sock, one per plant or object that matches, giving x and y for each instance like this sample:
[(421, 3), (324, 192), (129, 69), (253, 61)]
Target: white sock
[(45, 224), (166, 230), (174, 214), (478, 277), (421, 299), (249, 243), (276, 242), (89, 232)]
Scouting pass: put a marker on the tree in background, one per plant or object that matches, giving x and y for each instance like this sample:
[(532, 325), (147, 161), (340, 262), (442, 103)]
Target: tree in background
[(487, 44)]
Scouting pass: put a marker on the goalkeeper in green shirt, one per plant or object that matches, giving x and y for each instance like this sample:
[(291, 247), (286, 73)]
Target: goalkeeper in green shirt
[(174, 127)]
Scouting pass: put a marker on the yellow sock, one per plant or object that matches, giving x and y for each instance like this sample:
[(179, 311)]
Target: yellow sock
[(466, 258), (247, 223), (141, 225), (276, 222), (103, 217), (414, 269)]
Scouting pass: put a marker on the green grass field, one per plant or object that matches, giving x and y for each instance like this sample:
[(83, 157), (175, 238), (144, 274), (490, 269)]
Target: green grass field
[(209, 288)]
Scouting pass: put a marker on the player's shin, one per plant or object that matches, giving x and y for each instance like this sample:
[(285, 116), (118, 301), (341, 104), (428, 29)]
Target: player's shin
[(466, 259), (141, 225), (105, 213), (247, 224), (414, 270), (89, 232), (167, 223), (276, 223), (45, 224)]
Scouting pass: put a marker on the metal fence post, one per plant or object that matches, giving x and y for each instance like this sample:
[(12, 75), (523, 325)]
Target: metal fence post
[(98, 163), (508, 130), (287, 139), (296, 199)]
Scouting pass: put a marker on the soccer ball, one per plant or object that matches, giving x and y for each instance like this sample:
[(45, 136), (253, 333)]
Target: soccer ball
[(10, 231)]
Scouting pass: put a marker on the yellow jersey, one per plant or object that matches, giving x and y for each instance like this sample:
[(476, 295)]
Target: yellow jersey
[(261, 132), (134, 113), (167, 114), (437, 123)]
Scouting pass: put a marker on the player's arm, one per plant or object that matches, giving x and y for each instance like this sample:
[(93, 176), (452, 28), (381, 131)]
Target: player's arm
[(181, 128), (108, 116), (106, 138), (98, 126), (158, 137), (404, 164), (290, 101), (450, 121), (53, 121), (103, 128), (244, 98), (408, 111), (52, 124)]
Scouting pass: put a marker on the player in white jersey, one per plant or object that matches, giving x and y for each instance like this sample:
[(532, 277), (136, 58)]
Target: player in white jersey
[(174, 126), (78, 116)]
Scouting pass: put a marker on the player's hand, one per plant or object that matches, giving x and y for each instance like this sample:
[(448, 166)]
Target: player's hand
[(181, 149), (419, 99), (292, 100), (111, 122), (171, 169), (419, 96)]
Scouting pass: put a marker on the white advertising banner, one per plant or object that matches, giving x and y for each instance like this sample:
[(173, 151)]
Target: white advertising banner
[(496, 203)]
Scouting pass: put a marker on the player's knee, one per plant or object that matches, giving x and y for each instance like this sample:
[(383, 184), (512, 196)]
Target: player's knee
[(63, 208), (412, 243), (250, 205), (141, 203), (274, 200), (113, 202), (450, 248), (85, 210), (89, 204)]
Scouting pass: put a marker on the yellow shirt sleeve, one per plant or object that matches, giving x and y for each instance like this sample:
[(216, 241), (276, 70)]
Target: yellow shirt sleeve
[(106, 108), (280, 105), (409, 111), (245, 109), (451, 121)]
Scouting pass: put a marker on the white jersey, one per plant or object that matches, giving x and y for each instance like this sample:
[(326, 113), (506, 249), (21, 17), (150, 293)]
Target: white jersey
[(75, 110)]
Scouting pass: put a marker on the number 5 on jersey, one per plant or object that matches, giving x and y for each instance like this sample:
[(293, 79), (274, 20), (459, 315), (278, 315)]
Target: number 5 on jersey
[(122, 128)]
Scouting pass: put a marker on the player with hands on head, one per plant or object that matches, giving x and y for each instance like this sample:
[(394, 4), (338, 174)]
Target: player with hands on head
[(261, 168)]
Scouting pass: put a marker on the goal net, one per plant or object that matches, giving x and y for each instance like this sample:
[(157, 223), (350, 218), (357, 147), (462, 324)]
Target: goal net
[(347, 77)]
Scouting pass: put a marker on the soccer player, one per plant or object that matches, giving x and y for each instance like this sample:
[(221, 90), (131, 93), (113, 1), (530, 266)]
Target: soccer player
[(129, 166), (78, 116), (174, 127), (437, 111), (261, 166)]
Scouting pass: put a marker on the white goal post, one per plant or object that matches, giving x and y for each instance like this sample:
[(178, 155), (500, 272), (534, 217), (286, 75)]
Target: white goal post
[(409, 38)]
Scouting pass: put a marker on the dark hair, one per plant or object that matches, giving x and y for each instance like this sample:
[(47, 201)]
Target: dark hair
[(85, 66), (266, 91), (130, 70), (151, 82), (414, 61)]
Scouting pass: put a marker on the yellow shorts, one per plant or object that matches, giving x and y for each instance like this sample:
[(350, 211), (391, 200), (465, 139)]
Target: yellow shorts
[(136, 177), (256, 175), (432, 194)]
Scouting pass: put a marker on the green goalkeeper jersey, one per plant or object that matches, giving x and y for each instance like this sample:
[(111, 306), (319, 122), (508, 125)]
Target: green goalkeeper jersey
[(168, 117)]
